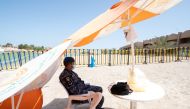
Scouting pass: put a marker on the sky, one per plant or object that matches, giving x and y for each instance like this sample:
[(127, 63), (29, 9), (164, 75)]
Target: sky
[(48, 22)]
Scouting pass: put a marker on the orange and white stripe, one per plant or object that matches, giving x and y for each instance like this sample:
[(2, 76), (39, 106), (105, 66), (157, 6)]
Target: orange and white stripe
[(119, 16)]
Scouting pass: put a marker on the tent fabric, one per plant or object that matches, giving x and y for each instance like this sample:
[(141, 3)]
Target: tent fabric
[(31, 100), (117, 17), (85, 33), (34, 74)]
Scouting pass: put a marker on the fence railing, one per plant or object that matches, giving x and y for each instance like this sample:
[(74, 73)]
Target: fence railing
[(13, 60)]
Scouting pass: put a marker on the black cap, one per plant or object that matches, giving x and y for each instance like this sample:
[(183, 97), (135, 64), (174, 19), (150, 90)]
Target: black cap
[(68, 60)]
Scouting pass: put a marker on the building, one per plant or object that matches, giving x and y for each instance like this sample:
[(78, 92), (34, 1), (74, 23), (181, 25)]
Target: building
[(136, 44), (181, 39)]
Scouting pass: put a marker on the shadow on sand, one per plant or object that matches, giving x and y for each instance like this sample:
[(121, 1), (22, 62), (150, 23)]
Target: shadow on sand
[(60, 103)]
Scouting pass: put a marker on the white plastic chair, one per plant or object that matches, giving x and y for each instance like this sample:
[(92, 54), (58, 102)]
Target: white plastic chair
[(78, 98)]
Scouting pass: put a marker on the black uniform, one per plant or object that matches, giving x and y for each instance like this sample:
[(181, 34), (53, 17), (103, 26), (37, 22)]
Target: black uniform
[(75, 86)]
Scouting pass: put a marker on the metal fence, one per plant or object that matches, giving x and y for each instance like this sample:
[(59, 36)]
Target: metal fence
[(13, 60)]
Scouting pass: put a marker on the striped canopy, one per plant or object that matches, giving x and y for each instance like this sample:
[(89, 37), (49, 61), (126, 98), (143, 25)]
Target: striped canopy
[(119, 16)]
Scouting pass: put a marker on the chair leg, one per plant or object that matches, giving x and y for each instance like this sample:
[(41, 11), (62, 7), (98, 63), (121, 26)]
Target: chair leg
[(82, 97), (69, 103)]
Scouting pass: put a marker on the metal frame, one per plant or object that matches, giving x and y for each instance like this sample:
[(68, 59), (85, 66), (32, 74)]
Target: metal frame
[(19, 101)]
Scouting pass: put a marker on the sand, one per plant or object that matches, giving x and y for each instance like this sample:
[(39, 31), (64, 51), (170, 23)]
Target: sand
[(174, 78)]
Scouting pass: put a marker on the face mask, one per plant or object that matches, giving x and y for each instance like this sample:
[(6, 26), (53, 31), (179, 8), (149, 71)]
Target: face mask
[(73, 67)]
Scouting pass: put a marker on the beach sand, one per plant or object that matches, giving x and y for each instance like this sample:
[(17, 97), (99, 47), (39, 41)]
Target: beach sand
[(174, 78)]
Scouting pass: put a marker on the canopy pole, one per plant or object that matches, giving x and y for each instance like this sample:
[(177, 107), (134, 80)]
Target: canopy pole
[(133, 56), (131, 73), (13, 102), (20, 99)]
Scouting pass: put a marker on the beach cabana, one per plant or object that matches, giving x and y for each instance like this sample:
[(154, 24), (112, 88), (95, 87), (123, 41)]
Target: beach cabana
[(24, 86)]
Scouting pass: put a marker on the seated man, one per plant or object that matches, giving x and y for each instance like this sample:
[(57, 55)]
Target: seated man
[(75, 86)]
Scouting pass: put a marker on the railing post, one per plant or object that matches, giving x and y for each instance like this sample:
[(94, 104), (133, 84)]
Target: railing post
[(145, 62), (70, 53), (187, 53), (135, 53), (83, 56), (105, 55), (109, 63), (10, 63), (169, 51), (157, 55), (185, 50), (124, 55), (79, 56), (148, 55), (101, 56), (128, 52), (177, 60), (66, 53), (183, 53), (166, 53), (97, 57), (117, 56), (152, 54), (33, 56), (138, 54), (38, 53), (162, 55), (88, 57), (1, 64), (75, 55), (175, 54), (19, 58), (24, 56), (14, 58), (5, 61), (172, 54), (29, 56), (120, 52), (93, 55)]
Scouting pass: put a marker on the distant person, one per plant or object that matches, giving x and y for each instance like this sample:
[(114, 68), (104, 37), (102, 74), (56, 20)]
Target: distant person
[(75, 86)]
